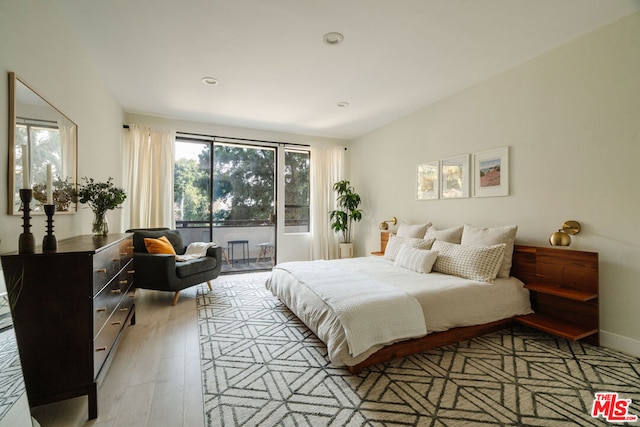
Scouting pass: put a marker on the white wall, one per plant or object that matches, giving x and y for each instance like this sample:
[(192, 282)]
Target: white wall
[(36, 44), (572, 120)]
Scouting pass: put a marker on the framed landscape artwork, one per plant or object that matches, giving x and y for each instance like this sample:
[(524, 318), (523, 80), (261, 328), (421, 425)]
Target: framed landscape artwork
[(491, 173), (454, 177), (427, 184)]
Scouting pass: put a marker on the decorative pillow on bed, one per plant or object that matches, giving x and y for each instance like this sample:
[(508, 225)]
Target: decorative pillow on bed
[(412, 230), (451, 235), (483, 236), (471, 262), (418, 260), (396, 243)]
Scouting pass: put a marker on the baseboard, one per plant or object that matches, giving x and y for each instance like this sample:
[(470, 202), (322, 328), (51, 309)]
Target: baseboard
[(620, 343)]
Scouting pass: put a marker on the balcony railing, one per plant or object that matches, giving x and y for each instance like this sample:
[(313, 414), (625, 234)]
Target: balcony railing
[(237, 258)]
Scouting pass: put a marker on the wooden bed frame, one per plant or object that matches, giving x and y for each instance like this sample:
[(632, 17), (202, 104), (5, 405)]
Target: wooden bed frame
[(564, 296)]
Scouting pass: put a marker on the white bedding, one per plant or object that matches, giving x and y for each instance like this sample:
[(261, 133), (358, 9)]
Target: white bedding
[(447, 301), (370, 311)]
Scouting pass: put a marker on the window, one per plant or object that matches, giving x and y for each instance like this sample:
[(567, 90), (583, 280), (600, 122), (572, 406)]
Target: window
[(42, 140), (296, 200)]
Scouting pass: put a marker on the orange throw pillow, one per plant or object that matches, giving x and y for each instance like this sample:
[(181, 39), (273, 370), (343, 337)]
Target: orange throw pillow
[(159, 246)]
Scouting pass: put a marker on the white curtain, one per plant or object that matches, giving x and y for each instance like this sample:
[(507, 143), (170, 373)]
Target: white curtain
[(67, 131), (327, 167), (149, 162)]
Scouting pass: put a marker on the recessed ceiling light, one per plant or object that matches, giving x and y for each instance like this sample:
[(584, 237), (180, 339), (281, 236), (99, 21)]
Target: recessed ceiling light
[(211, 81), (343, 104), (333, 38)]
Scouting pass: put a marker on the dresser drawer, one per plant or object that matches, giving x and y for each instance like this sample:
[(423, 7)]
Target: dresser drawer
[(106, 264), (104, 303), (103, 343), (126, 276), (126, 251)]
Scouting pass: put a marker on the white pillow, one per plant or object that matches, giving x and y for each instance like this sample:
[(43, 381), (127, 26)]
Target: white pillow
[(396, 243), (470, 262), (451, 235), (418, 260), (483, 236), (412, 230)]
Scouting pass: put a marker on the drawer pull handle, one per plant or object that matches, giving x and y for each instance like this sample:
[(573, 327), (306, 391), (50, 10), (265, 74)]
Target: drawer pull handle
[(115, 260), (123, 254), (117, 323), (123, 282), (131, 271), (124, 310), (130, 247), (101, 270), (101, 349), (116, 291), (101, 309)]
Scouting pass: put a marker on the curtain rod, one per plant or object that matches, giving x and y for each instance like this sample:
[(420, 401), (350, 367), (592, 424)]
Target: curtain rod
[(189, 134), (240, 139)]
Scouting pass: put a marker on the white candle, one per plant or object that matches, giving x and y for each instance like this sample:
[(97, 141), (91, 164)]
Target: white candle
[(49, 185), (25, 167)]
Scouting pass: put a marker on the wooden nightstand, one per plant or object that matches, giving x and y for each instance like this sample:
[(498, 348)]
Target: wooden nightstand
[(384, 239), (567, 307)]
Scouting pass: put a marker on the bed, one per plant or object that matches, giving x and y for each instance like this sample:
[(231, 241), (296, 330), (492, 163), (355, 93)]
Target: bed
[(445, 301), (451, 308)]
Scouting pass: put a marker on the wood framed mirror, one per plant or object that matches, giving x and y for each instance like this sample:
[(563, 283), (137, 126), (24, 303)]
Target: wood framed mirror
[(40, 135)]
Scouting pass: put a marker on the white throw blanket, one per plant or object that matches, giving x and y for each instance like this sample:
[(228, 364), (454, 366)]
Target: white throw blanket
[(195, 250), (371, 312)]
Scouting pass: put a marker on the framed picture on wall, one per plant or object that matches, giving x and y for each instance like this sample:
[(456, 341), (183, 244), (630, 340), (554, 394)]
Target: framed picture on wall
[(427, 182), (491, 173), (454, 177)]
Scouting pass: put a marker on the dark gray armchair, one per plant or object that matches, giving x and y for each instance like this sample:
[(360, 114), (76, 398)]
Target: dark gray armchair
[(163, 272)]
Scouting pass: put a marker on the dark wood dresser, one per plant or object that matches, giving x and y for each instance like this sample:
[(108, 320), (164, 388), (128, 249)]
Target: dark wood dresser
[(70, 310)]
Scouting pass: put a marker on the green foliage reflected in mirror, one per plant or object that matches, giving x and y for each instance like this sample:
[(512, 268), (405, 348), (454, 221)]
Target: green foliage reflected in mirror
[(41, 135)]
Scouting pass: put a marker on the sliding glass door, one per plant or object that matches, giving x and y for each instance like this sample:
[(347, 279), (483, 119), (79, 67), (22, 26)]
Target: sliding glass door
[(226, 193)]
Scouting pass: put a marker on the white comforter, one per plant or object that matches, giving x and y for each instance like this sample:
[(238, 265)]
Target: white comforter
[(447, 301), (370, 311)]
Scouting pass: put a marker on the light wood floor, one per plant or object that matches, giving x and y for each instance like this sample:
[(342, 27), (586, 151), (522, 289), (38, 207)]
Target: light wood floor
[(155, 378)]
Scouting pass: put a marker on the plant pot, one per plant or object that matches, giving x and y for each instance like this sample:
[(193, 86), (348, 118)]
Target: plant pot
[(346, 250)]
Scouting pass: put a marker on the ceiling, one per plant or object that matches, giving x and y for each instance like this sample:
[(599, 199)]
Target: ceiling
[(275, 73)]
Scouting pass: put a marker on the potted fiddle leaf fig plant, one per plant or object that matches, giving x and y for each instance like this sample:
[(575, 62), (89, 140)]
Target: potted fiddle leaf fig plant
[(342, 218)]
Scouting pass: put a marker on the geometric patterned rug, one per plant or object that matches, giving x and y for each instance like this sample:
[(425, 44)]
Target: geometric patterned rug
[(11, 382), (261, 366)]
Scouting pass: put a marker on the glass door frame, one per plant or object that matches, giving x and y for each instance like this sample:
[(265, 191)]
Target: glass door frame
[(278, 217)]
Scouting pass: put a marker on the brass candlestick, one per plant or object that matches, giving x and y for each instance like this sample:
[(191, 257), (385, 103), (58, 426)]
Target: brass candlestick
[(49, 243), (26, 241)]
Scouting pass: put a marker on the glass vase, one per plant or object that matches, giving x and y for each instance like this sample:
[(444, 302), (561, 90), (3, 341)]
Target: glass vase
[(100, 224)]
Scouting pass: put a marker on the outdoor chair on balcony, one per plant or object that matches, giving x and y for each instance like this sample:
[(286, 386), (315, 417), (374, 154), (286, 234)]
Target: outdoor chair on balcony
[(163, 272), (266, 249)]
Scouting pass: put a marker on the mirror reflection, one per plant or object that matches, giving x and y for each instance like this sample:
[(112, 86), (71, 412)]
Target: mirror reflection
[(43, 139)]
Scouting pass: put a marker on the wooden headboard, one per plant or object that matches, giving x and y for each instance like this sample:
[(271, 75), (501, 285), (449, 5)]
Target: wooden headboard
[(564, 289), (533, 264)]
